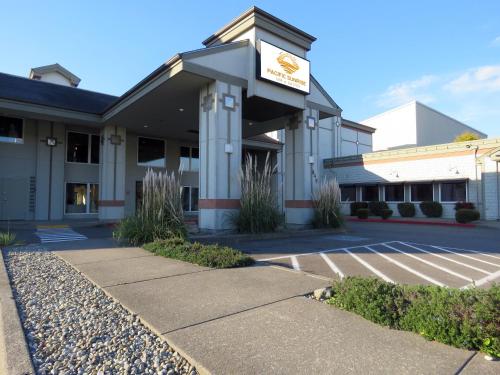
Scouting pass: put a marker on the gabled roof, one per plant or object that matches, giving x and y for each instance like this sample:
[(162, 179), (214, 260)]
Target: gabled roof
[(58, 69), (52, 95)]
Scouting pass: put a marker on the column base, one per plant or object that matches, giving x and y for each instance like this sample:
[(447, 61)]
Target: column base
[(111, 210), (217, 214), (299, 213)]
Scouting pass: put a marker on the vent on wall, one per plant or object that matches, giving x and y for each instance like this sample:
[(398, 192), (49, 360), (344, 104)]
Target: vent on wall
[(32, 198)]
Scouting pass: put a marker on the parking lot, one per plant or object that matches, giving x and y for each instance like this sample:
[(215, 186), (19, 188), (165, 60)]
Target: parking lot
[(453, 257)]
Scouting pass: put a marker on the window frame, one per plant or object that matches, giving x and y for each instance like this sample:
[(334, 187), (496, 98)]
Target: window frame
[(395, 184), (144, 165), (190, 163), (421, 183), (87, 196), (21, 140), (89, 151), (453, 182), (355, 192)]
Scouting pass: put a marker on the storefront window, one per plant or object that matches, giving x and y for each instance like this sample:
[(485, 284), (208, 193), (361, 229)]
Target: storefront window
[(11, 130), (454, 191), (422, 192), (189, 159), (82, 198), (394, 193), (369, 193), (190, 198), (348, 193), (151, 152), (82, 148)]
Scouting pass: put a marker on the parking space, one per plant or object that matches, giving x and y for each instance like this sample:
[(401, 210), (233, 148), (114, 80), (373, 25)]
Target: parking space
[(400, 262)]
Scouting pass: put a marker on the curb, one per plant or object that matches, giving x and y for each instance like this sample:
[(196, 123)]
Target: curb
[(14, 352), (412, 222)]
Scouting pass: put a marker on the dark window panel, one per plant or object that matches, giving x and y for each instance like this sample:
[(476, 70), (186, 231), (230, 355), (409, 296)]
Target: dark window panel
[(394, 193), (94, 149), (348, 193), (454, 191), (78, 148), (151, 152), (422, 192), (370, 193), (11, 129)]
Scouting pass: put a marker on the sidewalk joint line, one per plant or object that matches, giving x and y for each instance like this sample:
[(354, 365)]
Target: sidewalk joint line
[(157, 278), (113, 260), (464, 365)]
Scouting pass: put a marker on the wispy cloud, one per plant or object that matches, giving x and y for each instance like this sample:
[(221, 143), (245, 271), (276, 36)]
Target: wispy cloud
[(495, 42), (406, 91), (484, 79)]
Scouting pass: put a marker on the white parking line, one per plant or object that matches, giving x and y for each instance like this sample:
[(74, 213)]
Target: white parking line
[(369, 266), (445, 258), (459, 249), (409, 269), (466, 256), (431, 264), (484, 280), (295, 263), (332, 265)]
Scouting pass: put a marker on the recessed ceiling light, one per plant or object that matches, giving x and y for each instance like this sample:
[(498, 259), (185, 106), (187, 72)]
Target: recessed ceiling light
[(250, 123), (181, 109), (146, 126)]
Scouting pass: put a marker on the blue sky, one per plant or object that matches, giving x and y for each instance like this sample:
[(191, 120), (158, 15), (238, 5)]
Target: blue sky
[(370, 55)]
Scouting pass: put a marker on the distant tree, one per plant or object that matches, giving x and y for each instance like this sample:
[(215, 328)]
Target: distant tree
[(466, 136)]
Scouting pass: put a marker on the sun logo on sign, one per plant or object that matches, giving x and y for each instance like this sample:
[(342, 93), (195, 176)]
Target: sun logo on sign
[(288, 62)]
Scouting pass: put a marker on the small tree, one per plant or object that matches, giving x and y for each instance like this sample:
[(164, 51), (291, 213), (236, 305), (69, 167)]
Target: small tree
[(466, 136)]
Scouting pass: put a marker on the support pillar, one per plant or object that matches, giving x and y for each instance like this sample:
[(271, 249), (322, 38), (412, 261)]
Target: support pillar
[(112, 173), (302, 167), (220, 155)]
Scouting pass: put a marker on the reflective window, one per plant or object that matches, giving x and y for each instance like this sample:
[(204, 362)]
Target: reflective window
[(454, 191), (394, 193), (422, 192), (189, 159), (369, 193), (348, 193), (82, 198), (151, 152), (82, 148), (190, 198), (11, 130)]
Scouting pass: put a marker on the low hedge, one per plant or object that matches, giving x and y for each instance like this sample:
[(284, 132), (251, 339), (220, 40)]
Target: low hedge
[(467, 318), (214, 256), (386, 214), (406, 209), (376, 207), (355, 206), (363, 213), (466, 215), (460, 205), (431, 209)]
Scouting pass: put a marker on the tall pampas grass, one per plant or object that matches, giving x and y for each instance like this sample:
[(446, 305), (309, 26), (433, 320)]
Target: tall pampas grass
[(259, 210), (327, 200)]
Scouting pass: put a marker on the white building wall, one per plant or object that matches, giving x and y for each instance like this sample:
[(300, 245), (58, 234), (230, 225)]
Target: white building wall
[(491, 189), (54, 77)]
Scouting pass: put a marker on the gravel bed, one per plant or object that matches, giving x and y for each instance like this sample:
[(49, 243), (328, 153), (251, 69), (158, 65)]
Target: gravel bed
[(73, 327)]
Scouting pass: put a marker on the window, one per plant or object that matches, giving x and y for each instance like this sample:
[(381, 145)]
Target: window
[(189, 159), (369, 193), (150, 152), (394, 193), (190, 198), (11, 130), (422, 192), (82, 148), (348, 193), (454, 191), (82, 198)]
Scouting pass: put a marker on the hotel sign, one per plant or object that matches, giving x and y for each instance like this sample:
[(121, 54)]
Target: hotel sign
[(282, 67)]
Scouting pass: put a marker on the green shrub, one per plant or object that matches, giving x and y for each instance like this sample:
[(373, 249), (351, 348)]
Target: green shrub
[(355, 206), (363, 213), (406, 209), (7, 238), (466, 215), (326, 201), (460, 205), (431, 209), (467, 318), (214, 256), (259, 211), (386, 214), (376, 207)]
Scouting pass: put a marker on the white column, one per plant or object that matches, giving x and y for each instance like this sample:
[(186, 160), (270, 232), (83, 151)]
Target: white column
[(220, 154), (112, 173), (302, 167)]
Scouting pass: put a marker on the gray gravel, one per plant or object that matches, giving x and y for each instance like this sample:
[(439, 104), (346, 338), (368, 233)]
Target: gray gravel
[(72, 327)]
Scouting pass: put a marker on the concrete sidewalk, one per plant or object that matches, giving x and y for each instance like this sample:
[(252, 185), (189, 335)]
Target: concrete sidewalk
[(256, 320)]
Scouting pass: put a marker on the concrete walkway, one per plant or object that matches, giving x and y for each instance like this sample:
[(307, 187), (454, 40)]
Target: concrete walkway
[(256, 320)]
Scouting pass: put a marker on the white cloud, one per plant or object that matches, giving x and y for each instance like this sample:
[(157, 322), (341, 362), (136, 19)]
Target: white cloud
[(495, 42), (482, 79), (403, 92)]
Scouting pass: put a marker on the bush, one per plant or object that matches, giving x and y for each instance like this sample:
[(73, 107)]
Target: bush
[(363, 213), (431, 209), (355, 206), (7, 238), (160, 214), (466, 215), (406, 209), (376, 207), (386, 214), (327, 205), (468, 205), (463, 318), (214, 256), (259, 211)]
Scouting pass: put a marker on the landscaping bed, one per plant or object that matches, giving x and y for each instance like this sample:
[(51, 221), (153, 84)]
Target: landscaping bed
[(468, 318), (214, 256)]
